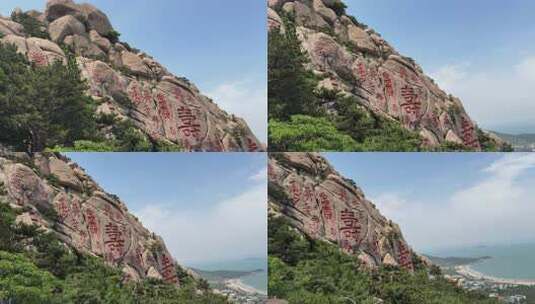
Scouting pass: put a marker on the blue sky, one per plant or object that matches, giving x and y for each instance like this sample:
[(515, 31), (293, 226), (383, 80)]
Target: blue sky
[(220, 46), (480, 50), (446, 200), (209, 207)]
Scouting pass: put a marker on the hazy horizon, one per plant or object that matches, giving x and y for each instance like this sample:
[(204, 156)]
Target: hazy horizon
[(446, 200), (208, 207), (480, 51)]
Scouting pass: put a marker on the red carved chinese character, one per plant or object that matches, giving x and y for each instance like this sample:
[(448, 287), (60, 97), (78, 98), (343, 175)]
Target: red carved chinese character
[(389, 84), (189, 125), (351, 228), (168, 270), (92, 222), (412, 104), (63, 209), (326, 208), (468, 133), (163, 107), (38, 57), (404, 256), (115, 242), (296, 192)]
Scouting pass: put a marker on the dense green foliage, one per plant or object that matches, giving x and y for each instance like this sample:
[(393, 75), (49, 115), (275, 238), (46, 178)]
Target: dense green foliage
[(46, 108), (54, 273), (32, 26), (290, 85), (302, 270), (305, 133), (42, 106)]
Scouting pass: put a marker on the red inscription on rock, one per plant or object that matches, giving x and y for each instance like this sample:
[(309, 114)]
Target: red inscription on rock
[(38, 57), (168, 270), (351, 227), (163, 107), (468, 133), (411, 105), (295, 189), (326, 208), (115, 241), (63, 209), (92, 222), (404, 257), (189, 125), (389, 84)]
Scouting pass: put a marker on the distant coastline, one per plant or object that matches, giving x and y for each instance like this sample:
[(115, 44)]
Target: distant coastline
[(239, 285), (466, 270)]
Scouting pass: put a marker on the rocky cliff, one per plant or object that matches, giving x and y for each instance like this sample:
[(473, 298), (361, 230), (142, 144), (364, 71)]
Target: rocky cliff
[(304, 188), (57, 195), (355, 60), (127, 82)]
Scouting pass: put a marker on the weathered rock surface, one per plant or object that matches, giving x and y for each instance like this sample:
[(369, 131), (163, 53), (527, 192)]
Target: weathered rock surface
[(318, 201), (132, 84), (89, 219), (355, 59)]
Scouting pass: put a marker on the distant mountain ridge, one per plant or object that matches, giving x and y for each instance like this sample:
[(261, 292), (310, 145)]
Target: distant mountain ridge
[(520, 142)]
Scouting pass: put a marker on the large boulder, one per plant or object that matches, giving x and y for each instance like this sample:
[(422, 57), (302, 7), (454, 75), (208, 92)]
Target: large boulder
[(318, 201), (135, 64), (65, 26), (8, 27), (58, 8), (96, 19)]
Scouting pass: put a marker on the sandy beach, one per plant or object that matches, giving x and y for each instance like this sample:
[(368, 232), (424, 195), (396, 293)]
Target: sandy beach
[(469, 272), (237, 284)]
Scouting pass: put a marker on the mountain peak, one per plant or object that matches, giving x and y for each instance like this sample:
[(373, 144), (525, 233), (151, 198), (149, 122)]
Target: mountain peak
[(58, 196), (305, 189), (354, 60), (126, 83)]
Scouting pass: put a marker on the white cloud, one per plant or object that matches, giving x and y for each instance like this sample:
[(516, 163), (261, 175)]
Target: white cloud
[(493, 97), (260, 176), (497, 209), (244, 100), (232, 229)]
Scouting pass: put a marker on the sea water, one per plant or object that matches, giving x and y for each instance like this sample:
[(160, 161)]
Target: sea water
[(256, 280), (507, 261)]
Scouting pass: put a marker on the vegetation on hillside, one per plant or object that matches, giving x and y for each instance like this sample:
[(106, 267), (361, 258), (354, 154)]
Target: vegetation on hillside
[(302, 270), (299, 120), (50, 272), (46, 108)]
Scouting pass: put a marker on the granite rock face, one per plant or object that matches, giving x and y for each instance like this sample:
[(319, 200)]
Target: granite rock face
[(357, 61), (89, 219), (129, 83), (318, 201)]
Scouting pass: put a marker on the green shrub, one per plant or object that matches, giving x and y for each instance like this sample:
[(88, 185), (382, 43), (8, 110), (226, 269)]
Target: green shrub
[(32, 26), (291, 86), (42, 107), (302, 270), (113, 36), (305, 133), (339, 7)]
